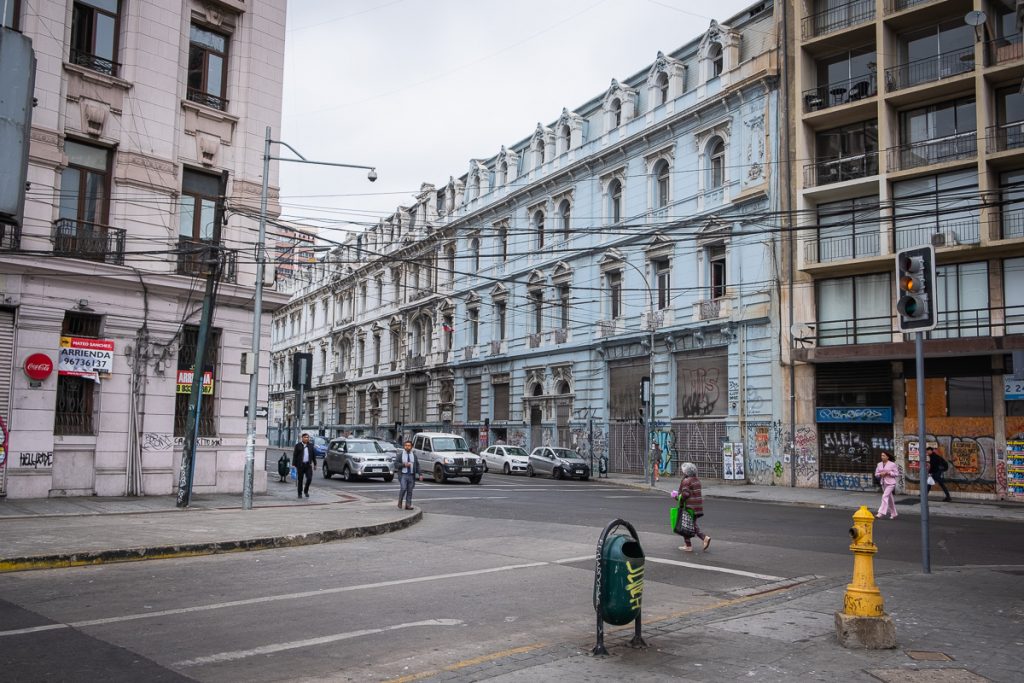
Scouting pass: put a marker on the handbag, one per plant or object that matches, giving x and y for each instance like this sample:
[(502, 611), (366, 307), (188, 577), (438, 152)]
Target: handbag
[(931, 482), (685, 525)]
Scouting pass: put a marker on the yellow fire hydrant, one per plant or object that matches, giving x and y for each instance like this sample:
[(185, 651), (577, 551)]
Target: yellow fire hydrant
[(863, 622)]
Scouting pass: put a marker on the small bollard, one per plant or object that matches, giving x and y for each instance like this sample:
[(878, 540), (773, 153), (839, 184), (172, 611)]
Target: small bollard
[(863, 622), (618, 583)]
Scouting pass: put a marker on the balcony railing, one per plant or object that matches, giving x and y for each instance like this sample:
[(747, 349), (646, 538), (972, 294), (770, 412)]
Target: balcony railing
[(1004, 50), (841, 247), (1010, 224), (929, 69), (416, 361), (90, 241), (892, 6), (937, 151), (533, 340), (840, 92), (206, 99), (710, 309), (1005, 136), (94, 63), (951, 324), (838, 18), (828, 171), (200, 258), (940, 234), (495, 347), (10, 236)]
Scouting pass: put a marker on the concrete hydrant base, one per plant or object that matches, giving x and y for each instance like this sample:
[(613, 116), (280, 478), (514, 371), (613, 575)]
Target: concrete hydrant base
[(865, 633)]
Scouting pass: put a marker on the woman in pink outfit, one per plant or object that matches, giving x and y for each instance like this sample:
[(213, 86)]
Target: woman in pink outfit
[(888, 474)]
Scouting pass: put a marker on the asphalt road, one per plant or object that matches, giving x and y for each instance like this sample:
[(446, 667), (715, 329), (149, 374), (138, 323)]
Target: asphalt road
[(492, 568)]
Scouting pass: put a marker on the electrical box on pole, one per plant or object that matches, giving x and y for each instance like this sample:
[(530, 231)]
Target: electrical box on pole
[(915, 290)]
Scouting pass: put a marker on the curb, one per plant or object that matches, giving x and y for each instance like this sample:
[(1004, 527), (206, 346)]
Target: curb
[(64, 560)]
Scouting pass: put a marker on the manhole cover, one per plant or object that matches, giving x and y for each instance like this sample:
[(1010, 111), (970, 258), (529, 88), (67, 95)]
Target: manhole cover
[(925, 656)]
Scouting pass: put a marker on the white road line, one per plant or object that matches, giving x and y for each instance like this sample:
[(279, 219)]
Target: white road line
[(712, 568), (426, 498), (278, 647)]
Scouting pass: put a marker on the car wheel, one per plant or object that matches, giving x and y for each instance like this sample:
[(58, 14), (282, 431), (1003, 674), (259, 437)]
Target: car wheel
[(327, 473), (557, 473), (439, 476), (507, 470), (389, 478), (486, 468), (585, 477), (475, 479), (529, 470), (346, 474)]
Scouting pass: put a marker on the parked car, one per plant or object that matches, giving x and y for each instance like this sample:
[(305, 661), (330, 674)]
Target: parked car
[(445, 456), (354, 459), (506, 459), (389, 447), (558, 462)]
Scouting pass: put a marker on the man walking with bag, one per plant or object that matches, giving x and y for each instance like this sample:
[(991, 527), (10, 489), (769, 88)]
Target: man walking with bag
[(408, 470), (304, 459)]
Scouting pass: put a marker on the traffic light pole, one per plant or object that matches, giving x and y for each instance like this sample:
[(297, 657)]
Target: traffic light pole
[(926, 562)]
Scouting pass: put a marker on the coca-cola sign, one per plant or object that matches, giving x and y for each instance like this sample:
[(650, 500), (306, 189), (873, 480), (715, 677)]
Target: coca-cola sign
[(38, 367)]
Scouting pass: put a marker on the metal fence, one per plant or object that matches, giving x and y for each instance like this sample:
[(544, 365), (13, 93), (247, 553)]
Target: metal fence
[(929, 69), (837, 18)]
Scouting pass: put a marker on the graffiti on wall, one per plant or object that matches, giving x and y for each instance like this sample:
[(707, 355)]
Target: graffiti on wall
[(700, 390), (666, 446), (517, 437), (762, 452), (805, 455), (155, 441), (848, 481), (972, 459), (36, 459)]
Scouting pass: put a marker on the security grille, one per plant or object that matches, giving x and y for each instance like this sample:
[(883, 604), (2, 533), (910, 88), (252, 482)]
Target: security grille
[(186, 360), (700, 443), (626, 447), (6, 362)]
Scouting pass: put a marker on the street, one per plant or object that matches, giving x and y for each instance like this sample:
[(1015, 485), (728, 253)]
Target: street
[(497, 568)]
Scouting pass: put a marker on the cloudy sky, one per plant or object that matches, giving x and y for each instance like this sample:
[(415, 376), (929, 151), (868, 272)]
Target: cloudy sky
[(417, 88)]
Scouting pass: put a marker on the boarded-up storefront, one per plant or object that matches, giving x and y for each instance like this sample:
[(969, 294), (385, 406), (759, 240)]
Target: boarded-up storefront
[(702, 379)]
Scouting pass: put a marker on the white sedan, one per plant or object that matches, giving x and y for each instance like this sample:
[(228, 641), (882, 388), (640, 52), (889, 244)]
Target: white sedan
[(506, 459)]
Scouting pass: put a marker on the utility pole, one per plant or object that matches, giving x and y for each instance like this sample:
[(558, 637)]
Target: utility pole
[(257, 317), (211, 256)]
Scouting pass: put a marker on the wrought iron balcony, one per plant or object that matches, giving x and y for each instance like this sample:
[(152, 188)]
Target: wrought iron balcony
[(838, 18), (533, 340), (892, 6), (842, 247), (1005, 136), (1004, 50), (840, 92), (929, 69), (939, 233), (90, 241), (10, 236), (940, 150), (710, 309), (828, 171), (1010, 224), (94, 63), (199, 258), (206, 99), (416, 361)]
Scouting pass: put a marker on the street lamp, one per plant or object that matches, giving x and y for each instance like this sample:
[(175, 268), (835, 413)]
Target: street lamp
[(649, 415), (250, 441)]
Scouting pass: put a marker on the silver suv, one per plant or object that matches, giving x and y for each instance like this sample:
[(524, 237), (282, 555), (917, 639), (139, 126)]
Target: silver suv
[(558, 462), (354, 459), (445, 456)]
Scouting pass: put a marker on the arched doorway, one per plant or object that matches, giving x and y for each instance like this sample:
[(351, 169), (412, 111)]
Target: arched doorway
[(563, 409), (537, 418)]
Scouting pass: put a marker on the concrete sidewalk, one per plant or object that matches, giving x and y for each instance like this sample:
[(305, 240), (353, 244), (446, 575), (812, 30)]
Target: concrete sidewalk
[(829, 498), (64, 532)]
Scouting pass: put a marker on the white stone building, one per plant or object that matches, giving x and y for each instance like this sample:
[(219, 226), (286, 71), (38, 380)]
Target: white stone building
[(148, 114)]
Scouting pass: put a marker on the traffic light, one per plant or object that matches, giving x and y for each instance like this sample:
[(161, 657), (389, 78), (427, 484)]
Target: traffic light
[(915, 289)]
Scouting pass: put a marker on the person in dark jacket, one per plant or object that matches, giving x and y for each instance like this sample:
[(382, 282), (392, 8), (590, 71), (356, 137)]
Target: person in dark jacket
[(937, 467), (690, 498), (408, 469), (304, 460)]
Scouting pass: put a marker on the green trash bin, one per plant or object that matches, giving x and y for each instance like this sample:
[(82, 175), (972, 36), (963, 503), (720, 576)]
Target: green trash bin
[(622, 580)]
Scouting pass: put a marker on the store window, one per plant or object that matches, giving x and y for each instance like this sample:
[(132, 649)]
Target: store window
[(186, 361)]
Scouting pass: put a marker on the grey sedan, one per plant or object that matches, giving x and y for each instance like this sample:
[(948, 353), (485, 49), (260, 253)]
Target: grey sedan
[(558, 462), (354, 459)]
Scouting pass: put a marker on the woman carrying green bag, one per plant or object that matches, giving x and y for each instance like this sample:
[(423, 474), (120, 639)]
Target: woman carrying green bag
[(691, 508)]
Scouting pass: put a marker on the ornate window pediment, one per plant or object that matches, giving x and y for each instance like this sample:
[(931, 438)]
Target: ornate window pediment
[(536, 280), (612, 259), (506, 167), (562, 273), (666, 80), (568, 131), (660, 245), (499, 291), (619, 105), (713, 231)]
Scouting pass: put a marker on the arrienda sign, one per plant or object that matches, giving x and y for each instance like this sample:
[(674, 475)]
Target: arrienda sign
[(38, 367)]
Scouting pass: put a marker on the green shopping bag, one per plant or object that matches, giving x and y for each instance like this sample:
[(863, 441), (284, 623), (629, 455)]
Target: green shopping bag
[(673, 517)]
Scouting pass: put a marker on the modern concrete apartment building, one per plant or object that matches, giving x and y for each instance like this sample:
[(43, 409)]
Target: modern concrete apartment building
[(908, 123), (145, 172)]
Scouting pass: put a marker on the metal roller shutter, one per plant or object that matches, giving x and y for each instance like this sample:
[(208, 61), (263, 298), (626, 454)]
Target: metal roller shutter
[(6, 362)]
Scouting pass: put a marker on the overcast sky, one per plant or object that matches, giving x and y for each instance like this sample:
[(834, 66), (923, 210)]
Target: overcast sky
[(417, 88)]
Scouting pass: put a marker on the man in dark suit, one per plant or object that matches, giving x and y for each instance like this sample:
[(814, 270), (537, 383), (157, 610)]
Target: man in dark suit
[(304, 460)]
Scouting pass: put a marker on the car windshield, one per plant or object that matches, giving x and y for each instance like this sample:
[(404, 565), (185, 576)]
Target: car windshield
[(454, 443), (516, 451), (564, 453), (363, 447), (319, 441)]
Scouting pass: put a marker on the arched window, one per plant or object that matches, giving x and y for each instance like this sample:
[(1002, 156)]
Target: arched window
[(661, 83), (662, 183), (615, 201), (565, 138), (538, 153), (538, 228), (616, 111), (716, 164), (565, 218), (502, 173), (450, 258), (474, 251), (715, 58)]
